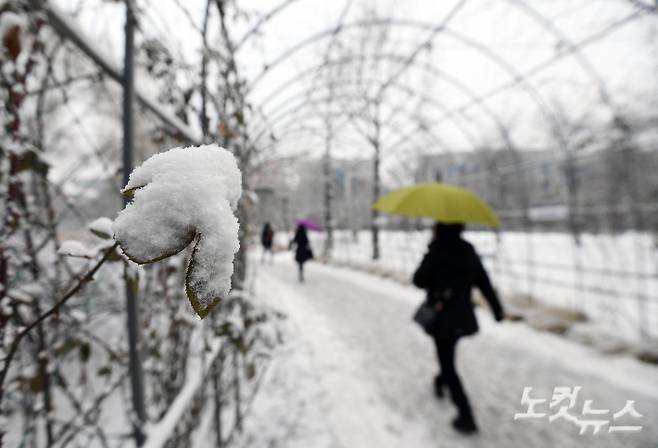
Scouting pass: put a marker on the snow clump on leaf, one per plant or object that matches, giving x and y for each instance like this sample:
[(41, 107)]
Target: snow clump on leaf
[(101, 227), (184, 196)]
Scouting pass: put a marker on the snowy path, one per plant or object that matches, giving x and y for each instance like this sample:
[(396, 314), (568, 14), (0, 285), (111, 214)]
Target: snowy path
[(355, 372)]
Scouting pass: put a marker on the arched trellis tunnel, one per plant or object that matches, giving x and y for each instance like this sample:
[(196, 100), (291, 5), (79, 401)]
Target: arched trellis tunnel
[(331, 71), (385, 80), (545, 109)]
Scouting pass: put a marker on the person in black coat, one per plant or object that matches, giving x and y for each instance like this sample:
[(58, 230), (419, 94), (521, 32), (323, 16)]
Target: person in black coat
[(303, 251), (448, 272), (266, 239)]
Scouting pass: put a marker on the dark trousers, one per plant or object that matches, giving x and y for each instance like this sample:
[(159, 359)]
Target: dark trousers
[(301, 271), (445, 349)]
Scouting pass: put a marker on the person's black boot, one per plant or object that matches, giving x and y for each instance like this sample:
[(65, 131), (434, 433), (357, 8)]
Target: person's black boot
[(465, 424), (438, 386)]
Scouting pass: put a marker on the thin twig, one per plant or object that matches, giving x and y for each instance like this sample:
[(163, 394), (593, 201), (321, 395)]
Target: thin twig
[(85, 279)]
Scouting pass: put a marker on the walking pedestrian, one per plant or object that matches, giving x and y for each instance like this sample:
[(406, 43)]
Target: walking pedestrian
[(303, 251), (267, 239), (448, 272)]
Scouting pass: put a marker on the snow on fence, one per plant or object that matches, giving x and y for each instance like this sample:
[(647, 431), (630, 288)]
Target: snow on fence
[(613, 279), (197, 370), (222, 376)]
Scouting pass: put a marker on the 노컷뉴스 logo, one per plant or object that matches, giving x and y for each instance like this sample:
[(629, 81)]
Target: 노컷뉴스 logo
[(563, 406)]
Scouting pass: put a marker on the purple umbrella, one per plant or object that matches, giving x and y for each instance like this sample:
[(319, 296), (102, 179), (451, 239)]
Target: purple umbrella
[(308, 223)]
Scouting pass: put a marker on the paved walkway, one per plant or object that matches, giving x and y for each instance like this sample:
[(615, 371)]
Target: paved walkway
[(354, 371)]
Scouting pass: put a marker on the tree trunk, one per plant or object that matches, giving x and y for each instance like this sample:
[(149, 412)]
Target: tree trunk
[(376, 191), (328, 197)]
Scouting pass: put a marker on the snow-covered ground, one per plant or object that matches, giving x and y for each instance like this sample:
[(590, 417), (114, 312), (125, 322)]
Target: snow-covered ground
[(354, 372), (611, 278)]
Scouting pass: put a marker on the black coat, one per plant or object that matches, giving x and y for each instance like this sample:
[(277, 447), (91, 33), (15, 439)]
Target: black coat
[(448, 272), (303, 250), (267, 237)]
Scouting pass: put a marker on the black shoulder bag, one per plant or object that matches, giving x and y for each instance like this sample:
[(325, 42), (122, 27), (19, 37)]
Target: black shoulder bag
[(427, 313)]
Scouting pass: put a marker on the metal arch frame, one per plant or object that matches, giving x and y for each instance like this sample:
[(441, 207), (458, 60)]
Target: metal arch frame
[(483, 49), (305, 130), (587, 40), (453, 81), (518, 78), (528, 10), (321, 135), (304, 103), (268, 16), (343, 124), (498, 124), (289, 130), (591, 38), (307, 100), (434, 32), (263, 20), (344, 60), (565, 42), (348, 120), (445, 148)]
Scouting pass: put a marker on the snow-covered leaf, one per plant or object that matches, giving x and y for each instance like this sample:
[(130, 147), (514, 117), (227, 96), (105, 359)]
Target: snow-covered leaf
[(101, 227), (184, 196), (73, 248)]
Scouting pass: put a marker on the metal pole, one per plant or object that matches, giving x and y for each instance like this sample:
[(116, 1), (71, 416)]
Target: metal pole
[(132, 310), (374, 220), (328, 191), (68, 29)]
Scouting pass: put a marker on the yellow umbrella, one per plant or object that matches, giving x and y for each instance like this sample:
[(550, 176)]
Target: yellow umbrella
[(445, 203)]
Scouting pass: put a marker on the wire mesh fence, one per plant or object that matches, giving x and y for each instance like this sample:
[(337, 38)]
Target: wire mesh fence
[(610, 278)]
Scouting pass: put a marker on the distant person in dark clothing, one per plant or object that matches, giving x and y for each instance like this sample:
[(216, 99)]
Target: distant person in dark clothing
[(303, 251), (448, 272), (266, 239)]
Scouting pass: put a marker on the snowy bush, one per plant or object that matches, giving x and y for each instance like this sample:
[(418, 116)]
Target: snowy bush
[(64, 375), (180, 197), (101, 229)]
